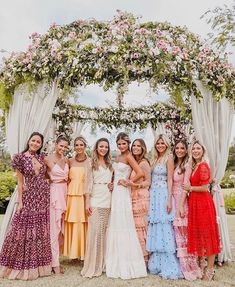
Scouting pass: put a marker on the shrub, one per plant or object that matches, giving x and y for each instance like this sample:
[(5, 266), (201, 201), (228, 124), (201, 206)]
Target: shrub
[(7, 185), (229, 201)]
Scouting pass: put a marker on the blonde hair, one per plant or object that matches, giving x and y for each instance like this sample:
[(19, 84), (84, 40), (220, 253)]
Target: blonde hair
[(164, 157), (204, 158), (95, 156), (82, 139)]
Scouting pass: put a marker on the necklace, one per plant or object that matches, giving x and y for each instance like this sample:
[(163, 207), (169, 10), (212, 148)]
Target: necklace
[(80, 160)]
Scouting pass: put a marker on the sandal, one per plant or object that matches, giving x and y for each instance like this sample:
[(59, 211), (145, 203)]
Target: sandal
[(209, 274), (202, 264)]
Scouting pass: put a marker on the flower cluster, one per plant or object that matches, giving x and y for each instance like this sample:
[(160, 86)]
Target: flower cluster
[(176, 120), (115, 53)]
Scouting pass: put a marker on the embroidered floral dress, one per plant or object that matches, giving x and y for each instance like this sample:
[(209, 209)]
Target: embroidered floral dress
[(160, 237), (188, 263), (26, 251)]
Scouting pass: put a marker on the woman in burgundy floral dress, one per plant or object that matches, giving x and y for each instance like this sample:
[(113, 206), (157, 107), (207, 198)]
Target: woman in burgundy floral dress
[(26, 251)]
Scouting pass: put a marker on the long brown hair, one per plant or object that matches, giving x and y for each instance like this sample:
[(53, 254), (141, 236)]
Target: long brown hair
[(184, 160), (143, 155), (32, 135), (95, 156)]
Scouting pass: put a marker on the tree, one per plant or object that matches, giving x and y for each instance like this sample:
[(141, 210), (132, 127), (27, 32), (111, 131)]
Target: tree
[(222, 21)]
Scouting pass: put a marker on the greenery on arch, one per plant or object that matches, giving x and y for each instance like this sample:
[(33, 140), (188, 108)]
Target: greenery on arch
[(116, 53), (177, 120)]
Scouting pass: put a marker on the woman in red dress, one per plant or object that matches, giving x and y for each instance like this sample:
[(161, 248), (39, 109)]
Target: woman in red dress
[(203, 236)]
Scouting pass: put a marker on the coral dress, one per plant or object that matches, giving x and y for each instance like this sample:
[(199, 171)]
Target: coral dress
[(203, 236), (26, 251), (140, 206), (160, 237), (58, 190), (188, 263), (75, 217)]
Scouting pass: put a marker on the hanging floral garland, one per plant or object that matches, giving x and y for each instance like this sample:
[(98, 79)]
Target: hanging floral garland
[(116, 53), (176, 120)]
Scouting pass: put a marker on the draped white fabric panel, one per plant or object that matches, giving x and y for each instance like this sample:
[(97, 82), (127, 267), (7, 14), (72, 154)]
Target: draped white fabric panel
[(77, 129), (160, 129), (29, 112), (212, 122)]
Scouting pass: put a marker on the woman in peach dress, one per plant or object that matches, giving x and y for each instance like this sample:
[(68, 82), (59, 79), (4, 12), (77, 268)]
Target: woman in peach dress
[(58, 170), (75, 217), (140, 193)]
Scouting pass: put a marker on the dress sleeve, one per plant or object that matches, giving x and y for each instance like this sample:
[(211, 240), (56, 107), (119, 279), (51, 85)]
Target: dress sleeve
[(144, 165), (17, 162), (187, 174), (204, 173)]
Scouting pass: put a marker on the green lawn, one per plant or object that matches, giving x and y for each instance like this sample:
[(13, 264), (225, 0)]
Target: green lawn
[(227, 191)]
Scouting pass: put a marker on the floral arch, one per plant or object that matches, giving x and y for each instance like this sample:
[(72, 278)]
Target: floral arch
[(113, 54)]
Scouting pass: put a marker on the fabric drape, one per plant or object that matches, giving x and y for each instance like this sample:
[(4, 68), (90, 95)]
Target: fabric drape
[(212, 122), (29, 112)]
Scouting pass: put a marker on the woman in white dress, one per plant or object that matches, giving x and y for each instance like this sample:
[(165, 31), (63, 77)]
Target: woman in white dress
[(98, 202), (124, 256)]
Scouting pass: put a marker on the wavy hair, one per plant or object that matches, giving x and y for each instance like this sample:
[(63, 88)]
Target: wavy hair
[(95, 156), (192, 160), (164, 158), (144, 150)]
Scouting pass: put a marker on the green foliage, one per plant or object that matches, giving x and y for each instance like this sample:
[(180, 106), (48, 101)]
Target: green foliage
[(7, 186), (231, 159), (222, 21), (227, 182), (229, 201)]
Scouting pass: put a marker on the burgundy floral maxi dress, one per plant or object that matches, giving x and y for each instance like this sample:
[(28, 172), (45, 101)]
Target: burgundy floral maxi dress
[(26, 251)]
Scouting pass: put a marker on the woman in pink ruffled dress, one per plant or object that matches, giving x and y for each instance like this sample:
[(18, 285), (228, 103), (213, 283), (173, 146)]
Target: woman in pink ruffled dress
[(182, 172), (58, 170)]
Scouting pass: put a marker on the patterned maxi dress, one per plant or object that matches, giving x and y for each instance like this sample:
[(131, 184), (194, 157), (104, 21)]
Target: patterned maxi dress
[(26, 251), (188, 263)]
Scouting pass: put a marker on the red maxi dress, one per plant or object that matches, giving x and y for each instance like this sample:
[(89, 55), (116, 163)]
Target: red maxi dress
[(203, 236)]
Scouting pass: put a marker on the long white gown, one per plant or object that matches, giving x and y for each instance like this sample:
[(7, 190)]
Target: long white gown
[(124, 256)]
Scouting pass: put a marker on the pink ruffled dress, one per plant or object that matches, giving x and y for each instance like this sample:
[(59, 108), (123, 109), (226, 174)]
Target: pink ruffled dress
[(58, 194), (188, 263)]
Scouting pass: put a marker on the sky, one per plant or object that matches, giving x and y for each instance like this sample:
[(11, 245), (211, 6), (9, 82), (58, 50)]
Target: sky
[(19, 19)]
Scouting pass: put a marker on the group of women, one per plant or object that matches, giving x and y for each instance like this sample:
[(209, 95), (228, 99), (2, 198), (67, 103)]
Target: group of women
[(121, 218)]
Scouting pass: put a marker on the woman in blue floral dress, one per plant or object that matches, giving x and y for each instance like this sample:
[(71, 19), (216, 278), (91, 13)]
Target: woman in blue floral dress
[(160, 237), (26, 251)]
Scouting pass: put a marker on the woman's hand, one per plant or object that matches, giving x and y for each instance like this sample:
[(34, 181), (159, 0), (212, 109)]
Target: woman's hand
[(169, 205), (110, 186), (123, 182), (88, 209), (19, 206), (186, 187)]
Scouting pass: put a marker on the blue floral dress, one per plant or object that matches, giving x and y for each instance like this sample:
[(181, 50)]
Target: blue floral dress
[(160, 237)]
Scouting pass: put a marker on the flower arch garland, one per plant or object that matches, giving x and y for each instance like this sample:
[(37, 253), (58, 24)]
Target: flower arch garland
[(177, 121), (115, 53)]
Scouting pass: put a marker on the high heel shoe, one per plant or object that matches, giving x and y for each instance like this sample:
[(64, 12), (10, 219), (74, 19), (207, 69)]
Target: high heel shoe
[(209, 274)]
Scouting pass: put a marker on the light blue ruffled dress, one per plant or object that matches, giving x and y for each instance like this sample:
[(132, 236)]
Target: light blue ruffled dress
[(160, 237)]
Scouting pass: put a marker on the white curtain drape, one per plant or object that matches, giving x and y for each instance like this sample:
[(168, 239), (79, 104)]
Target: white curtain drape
[(212, 122), (77, 129), (29, 112), (160, 129)]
